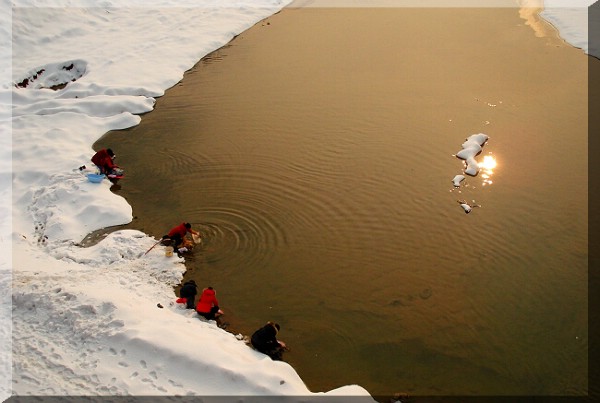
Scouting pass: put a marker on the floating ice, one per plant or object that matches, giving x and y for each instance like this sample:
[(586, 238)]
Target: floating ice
[(466, 207), (457, 180), (471, 148)]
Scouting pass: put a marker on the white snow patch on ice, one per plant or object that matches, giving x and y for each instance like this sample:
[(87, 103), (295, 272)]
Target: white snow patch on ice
[(470, 149)]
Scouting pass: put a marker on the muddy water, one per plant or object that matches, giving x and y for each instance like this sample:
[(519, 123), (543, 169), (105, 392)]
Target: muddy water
[(315, 154)]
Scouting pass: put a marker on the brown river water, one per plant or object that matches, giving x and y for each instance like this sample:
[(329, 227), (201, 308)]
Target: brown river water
[(315, 154)]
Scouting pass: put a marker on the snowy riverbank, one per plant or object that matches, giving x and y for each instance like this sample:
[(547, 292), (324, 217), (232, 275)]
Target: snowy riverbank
[(85, 321)]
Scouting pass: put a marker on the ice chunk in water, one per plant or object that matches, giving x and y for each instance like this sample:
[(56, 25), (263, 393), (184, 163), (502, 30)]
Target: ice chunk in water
[(471, 148), (457, 180)]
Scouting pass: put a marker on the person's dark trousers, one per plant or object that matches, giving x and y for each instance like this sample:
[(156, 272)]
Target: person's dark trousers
[(210, 315)]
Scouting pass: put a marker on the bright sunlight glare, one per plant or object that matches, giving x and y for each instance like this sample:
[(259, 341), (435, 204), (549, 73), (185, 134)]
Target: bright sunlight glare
[(487, 166), (488, 163)]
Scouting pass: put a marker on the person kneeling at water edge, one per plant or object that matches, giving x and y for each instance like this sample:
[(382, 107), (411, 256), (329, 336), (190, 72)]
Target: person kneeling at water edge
[(265, 341), (177, 237), (189, 291), (208, 306), (103, 159)]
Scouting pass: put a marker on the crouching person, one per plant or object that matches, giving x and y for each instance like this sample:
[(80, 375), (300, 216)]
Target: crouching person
[(189, 291), (208, 306), (265, 341)]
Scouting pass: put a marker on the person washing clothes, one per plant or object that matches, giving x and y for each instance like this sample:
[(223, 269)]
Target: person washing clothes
[(189, 291), (208, 306), (265, 341), (177, 237), (104, 160)]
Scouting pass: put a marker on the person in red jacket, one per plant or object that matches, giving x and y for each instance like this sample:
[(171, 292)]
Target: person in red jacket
[(103, 159), (178, 233), (208, 306)]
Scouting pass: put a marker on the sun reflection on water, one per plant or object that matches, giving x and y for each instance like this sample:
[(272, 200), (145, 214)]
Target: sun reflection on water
[(487, 167)]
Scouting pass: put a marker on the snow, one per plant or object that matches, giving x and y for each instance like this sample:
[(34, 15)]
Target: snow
[(457, 180), (466, 207), (88, 321), (570, 18), (470, 149)]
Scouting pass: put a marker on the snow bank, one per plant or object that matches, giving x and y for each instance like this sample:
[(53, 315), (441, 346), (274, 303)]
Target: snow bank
[(102, 320), (570, 18)]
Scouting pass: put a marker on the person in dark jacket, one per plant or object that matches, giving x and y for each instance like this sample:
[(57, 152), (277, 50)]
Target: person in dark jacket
[(265, 341), (103, 159), (189, 291), (208, 306)]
